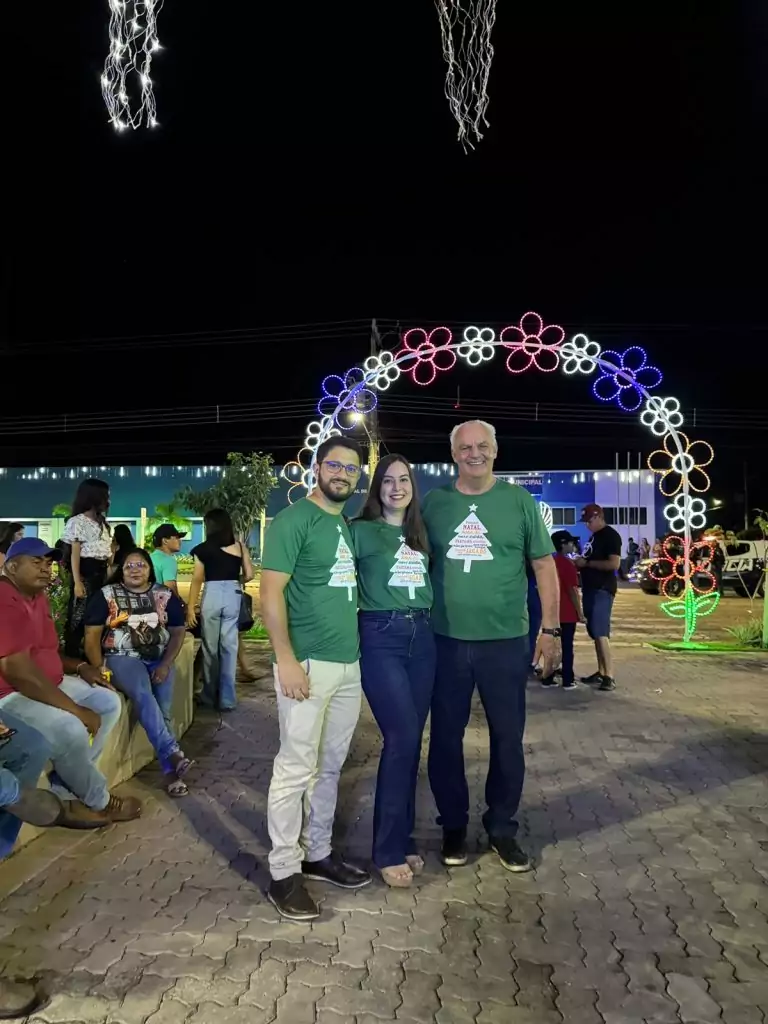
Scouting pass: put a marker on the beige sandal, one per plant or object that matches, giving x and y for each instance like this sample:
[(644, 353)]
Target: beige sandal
[(399, 876), (415, 862)]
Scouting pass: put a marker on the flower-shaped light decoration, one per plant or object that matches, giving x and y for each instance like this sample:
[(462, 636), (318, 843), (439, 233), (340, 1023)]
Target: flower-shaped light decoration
[(426, 354), (670, 464), (477, 346), (632, 374), (298, 472), (319, 430), (579, 354), (691, 606), (384, 366), (661, 415), (669, 570), (685, 510), (346, 394), (532, 344)]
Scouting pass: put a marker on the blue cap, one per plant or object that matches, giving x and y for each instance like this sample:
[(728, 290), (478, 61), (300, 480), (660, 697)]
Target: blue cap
[(34, 547)]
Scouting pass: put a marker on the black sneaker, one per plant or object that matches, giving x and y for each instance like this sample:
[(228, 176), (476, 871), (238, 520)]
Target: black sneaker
[(454, 850), (337, 871), (291, 899), (549, 680), (570, 684), (607, 683), (510, 854), (596, 677)]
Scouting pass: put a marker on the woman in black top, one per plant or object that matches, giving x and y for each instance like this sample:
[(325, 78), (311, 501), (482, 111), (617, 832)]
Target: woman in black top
[(220, 562)]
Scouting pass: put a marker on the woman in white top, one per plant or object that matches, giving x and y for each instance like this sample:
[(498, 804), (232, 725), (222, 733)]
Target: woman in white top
[(9, 534), (90, 540)]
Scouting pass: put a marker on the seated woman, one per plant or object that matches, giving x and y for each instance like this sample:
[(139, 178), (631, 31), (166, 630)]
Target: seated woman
[(135, 628)]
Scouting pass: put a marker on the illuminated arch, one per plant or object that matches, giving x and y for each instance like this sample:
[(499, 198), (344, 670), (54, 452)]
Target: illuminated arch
[(625, 377)]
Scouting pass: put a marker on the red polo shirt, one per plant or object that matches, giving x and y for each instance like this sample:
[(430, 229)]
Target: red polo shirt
[(26, 625), (569, 577)]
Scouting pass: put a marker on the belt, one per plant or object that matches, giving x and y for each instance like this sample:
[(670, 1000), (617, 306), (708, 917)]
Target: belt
[(412, 613)]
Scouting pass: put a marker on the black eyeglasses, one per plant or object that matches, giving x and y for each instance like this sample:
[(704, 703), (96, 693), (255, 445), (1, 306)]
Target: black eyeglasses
[(336, 467)]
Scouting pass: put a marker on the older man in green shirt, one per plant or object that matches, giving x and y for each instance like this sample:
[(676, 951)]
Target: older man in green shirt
[(482, 531)]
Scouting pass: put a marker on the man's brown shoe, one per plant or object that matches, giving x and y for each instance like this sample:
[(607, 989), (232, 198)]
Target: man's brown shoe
[(125, 808), (75, 814)]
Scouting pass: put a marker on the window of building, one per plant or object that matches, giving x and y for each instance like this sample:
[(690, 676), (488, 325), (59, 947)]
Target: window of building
[(563, 516), (626, 516)]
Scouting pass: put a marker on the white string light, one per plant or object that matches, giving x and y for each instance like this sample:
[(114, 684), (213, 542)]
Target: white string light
[(466, 27), (132, 43)]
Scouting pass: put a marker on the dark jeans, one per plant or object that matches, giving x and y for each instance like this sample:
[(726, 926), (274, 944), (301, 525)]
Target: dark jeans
[(567, 634), (93, 573), (397, 665), (534, 619), (499, 670), (22, 759)]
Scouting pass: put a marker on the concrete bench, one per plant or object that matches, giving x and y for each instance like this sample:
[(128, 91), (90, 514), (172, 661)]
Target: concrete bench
[(128, 749)]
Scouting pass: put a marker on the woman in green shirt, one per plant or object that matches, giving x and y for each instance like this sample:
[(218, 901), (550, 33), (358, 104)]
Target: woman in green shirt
[(397, 654)]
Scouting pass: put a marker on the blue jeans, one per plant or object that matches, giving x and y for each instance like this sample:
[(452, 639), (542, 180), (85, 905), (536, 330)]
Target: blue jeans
[(397, 664), (151, 703), (220, 611), (534, 618), (22, 760), (598, 605), (499, 670), (75, 775)]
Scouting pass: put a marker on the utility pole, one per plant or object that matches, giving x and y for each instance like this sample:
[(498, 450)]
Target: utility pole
[(746, 495), (373, 424)]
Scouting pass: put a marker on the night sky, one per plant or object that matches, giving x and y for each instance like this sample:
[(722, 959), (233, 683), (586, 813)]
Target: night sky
[(306, 177)]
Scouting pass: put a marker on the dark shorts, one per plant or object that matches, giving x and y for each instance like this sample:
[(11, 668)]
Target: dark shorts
[(597, 610)]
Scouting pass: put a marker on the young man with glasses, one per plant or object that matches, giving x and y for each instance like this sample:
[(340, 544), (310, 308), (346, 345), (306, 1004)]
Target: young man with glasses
[(598, 568), (309, 607)]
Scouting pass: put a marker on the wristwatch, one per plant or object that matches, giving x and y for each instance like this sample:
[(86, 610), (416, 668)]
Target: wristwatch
[(556, 632)]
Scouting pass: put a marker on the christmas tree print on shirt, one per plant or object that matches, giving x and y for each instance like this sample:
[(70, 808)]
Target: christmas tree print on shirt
[(343, 569), (409, 569), (470, 543)]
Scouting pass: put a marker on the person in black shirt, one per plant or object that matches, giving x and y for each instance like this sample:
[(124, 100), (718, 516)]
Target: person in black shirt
[(598, 566)]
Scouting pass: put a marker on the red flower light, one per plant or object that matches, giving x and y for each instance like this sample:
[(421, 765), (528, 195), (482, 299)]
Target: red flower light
[(428, 356), (532, 344), (671, 566)]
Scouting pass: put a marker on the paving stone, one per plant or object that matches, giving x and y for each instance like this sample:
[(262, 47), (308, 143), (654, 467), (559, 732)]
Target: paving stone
[(141, 1001), (171, 1011), (693, 999), (457, 1012), (376, 1003), (211, 1013)]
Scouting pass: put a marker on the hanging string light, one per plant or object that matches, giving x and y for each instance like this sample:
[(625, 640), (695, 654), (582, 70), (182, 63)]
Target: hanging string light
[(466, 27), (126, 84)]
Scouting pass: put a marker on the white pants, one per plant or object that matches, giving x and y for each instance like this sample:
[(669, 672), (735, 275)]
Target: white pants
[(315, 735)]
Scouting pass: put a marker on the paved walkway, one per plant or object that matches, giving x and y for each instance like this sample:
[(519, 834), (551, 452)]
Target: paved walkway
[(647, 810)]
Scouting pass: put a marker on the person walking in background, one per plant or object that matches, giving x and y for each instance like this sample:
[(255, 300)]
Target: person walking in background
[(598, 566), (134, 628), (9, 533), (657, 551), (645, 550), (570, 604), (309, 606), (88, 535), (397, 654), (122, 543), (166, 544), (482, 531), (534, 617), (224, 565)]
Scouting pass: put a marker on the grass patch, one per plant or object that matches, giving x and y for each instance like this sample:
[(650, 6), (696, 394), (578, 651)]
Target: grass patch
[(712, 647), (256, 632)]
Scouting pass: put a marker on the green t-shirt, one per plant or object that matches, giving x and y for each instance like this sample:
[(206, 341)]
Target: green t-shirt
[(480, 543), (315, 548), (166, 567), (390, 575)]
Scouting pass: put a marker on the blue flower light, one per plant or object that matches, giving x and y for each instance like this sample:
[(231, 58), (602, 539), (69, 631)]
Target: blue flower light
[(346, 394), (627, 383)]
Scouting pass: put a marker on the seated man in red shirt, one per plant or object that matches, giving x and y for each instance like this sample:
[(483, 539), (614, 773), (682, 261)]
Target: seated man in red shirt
[(570, 604), (65, 700)]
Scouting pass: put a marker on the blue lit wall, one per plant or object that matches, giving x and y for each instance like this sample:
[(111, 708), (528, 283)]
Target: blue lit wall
[(30, 494)]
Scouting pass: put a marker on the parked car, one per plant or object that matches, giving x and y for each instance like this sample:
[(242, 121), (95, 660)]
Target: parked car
[(743, 571)]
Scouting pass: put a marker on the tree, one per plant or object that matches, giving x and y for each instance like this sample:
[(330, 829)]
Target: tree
[(243, 491), (169, 513), (470, 543), (343, 569), (409, 569), (61, 511)]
